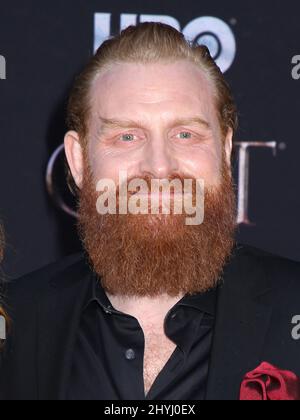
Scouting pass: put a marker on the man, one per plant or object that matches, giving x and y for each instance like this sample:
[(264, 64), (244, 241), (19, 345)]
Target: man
[(157, 308)]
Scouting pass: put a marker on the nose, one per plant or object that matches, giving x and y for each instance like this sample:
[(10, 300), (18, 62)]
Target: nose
[(159, 160)]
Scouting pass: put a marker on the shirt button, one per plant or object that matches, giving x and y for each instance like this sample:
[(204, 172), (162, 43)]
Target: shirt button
[(130, 354), (107, 310)]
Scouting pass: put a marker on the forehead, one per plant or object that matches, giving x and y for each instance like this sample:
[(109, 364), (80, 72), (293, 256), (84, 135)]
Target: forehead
[(149, 90)]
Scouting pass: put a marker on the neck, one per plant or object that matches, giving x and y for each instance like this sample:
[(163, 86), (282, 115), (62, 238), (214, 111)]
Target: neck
[(147, 310)]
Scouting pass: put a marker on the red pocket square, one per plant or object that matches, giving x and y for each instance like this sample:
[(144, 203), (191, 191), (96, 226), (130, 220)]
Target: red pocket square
[(268, 383)]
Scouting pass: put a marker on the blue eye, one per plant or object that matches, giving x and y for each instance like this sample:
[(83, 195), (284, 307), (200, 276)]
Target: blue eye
[(185, 135), (127, 137)]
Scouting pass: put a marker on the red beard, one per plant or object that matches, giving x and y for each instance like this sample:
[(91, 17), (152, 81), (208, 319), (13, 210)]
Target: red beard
[(150, 255)]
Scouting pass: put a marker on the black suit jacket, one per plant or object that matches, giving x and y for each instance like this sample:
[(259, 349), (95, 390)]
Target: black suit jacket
[(258, 299)]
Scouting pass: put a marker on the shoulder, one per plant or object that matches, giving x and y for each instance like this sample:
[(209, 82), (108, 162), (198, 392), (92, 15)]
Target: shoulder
[(279, 272), (266, 258), (30, 286)]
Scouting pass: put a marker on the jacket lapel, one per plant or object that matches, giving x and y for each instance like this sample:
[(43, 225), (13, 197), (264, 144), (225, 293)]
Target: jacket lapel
[(60, 312), (242, 323)]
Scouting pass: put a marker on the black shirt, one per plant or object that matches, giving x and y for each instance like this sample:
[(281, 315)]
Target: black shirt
[(109, 351)]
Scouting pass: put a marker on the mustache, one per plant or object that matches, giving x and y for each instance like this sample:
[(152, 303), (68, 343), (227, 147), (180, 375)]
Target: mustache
[(148, 180)]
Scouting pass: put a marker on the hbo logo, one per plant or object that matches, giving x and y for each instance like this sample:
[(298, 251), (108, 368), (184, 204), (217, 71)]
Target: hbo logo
[(210, 31)]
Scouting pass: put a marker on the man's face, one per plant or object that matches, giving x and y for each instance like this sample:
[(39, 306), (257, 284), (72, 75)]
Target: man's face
[(154, 122), (155, 119)]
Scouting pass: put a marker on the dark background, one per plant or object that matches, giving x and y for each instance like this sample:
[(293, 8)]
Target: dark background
[(46, 43)]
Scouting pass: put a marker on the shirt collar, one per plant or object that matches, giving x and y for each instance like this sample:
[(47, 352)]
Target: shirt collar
[(204, 302)]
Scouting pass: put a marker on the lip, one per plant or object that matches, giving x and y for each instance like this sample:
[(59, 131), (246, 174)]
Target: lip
[(160, 193), (164, 195)]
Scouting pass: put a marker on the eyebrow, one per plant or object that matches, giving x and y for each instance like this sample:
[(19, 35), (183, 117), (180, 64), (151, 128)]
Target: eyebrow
[(112, 123)]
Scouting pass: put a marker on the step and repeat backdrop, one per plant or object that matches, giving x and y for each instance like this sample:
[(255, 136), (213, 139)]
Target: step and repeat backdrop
[(43, 45)]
